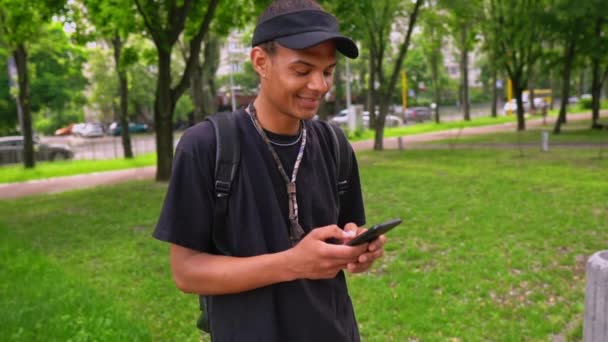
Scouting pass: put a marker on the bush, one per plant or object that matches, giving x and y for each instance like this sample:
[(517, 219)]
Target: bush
[(586, 103)]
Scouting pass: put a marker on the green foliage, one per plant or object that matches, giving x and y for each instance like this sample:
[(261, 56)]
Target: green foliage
[(56, 74), (247, 80), (183, 108), (8, 106), (586, 103), (110, 18), (479, 95), (20, 21), (139, 59)]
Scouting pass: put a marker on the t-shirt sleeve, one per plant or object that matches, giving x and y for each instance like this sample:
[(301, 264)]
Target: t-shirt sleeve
[(187, 214), (352, 208)]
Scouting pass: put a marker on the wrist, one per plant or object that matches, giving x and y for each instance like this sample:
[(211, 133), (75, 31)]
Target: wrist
[(286, 261)]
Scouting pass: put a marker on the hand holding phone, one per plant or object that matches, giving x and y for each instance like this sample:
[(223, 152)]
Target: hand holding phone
[(374, 232)]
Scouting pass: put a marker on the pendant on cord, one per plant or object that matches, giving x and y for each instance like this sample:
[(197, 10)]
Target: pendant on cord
[(295, 230)]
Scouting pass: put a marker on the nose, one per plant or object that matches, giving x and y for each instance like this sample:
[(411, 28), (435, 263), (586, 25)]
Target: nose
[(319, 82)]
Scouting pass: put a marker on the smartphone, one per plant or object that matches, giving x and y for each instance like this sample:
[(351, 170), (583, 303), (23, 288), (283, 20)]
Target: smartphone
[(374, 232)]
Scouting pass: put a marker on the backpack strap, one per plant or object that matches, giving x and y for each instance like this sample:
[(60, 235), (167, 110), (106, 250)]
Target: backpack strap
[(227, 157), (342, 155)]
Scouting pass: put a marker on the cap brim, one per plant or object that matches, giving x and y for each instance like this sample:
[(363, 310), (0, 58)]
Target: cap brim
[(309, 39)]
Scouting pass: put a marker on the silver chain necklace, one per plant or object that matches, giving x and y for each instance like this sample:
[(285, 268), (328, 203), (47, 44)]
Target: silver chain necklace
[(282, 144)]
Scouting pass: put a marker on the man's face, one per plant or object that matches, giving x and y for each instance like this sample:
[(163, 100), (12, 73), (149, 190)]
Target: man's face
[(297, 80)]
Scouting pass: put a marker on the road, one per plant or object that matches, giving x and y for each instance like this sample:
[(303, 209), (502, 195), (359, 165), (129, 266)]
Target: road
[(106, 147)]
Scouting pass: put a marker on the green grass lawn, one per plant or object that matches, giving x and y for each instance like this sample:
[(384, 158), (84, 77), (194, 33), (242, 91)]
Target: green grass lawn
[(493, 247), (575, 132), (428, 127), (17, 173)]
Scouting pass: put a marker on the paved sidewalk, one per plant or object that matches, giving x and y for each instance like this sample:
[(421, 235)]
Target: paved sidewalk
[(59, 184)]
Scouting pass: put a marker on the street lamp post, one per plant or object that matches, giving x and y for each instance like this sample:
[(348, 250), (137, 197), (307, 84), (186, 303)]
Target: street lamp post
[(351, 114)]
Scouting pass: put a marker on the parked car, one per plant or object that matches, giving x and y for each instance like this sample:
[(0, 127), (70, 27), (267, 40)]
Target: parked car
[(115, 128), (78, 128), (512, 106), (92, 130), (11, 150), (341, 119), (389, 121), (67, 130), (417, 114)]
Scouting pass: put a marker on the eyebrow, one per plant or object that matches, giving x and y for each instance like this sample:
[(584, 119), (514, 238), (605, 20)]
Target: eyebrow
[(299, 61)]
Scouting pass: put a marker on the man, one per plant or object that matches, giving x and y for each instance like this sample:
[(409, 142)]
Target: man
[(274, 272)]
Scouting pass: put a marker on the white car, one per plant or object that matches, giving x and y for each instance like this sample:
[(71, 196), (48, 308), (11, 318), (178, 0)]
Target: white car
[(512, 106), (341, 119), (87, 130)]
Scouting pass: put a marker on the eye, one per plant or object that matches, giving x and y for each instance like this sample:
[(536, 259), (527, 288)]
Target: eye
[(328, 73), (302, 72)]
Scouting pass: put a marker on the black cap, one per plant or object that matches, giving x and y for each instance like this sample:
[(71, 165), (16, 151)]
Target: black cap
[(303, 29)]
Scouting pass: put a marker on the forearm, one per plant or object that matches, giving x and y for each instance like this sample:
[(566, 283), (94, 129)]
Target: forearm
[(209, 274)]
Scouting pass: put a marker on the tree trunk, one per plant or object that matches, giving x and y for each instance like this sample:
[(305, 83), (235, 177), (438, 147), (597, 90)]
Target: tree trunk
[(530, 87), (598, 80), (581, 83), (163, 112), (371, 91), (568, 59), (519, 90), (464, 71), (596, 92), (380, 120), (20, 54), (123, 90), (494, 93), (211, 62), (436, 87), (196, 90)]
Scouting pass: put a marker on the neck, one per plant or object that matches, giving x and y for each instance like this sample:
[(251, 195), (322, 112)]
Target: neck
[(272, 119)]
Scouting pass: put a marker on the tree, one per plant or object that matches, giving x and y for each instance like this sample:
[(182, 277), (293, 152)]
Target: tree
[(463, 17), (57, 80), (515, 31), (114, 21), (565, 21), (432, 40), (165, 21), (141, 76), (377, 19), (597, 49), (20, 22)]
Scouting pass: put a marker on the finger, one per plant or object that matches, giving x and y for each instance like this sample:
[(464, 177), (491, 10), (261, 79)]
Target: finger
[(377, 243), (328, 232), (371, 256), (358, 267), (344, 252), (351, 227)]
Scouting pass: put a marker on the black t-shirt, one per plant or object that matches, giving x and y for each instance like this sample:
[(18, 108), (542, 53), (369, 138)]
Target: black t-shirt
[(257, 223)]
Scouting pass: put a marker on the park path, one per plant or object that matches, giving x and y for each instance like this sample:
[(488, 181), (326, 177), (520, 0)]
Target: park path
[(60, 184)]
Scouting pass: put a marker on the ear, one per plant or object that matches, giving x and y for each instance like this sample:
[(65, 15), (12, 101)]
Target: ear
[(260, 61)]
